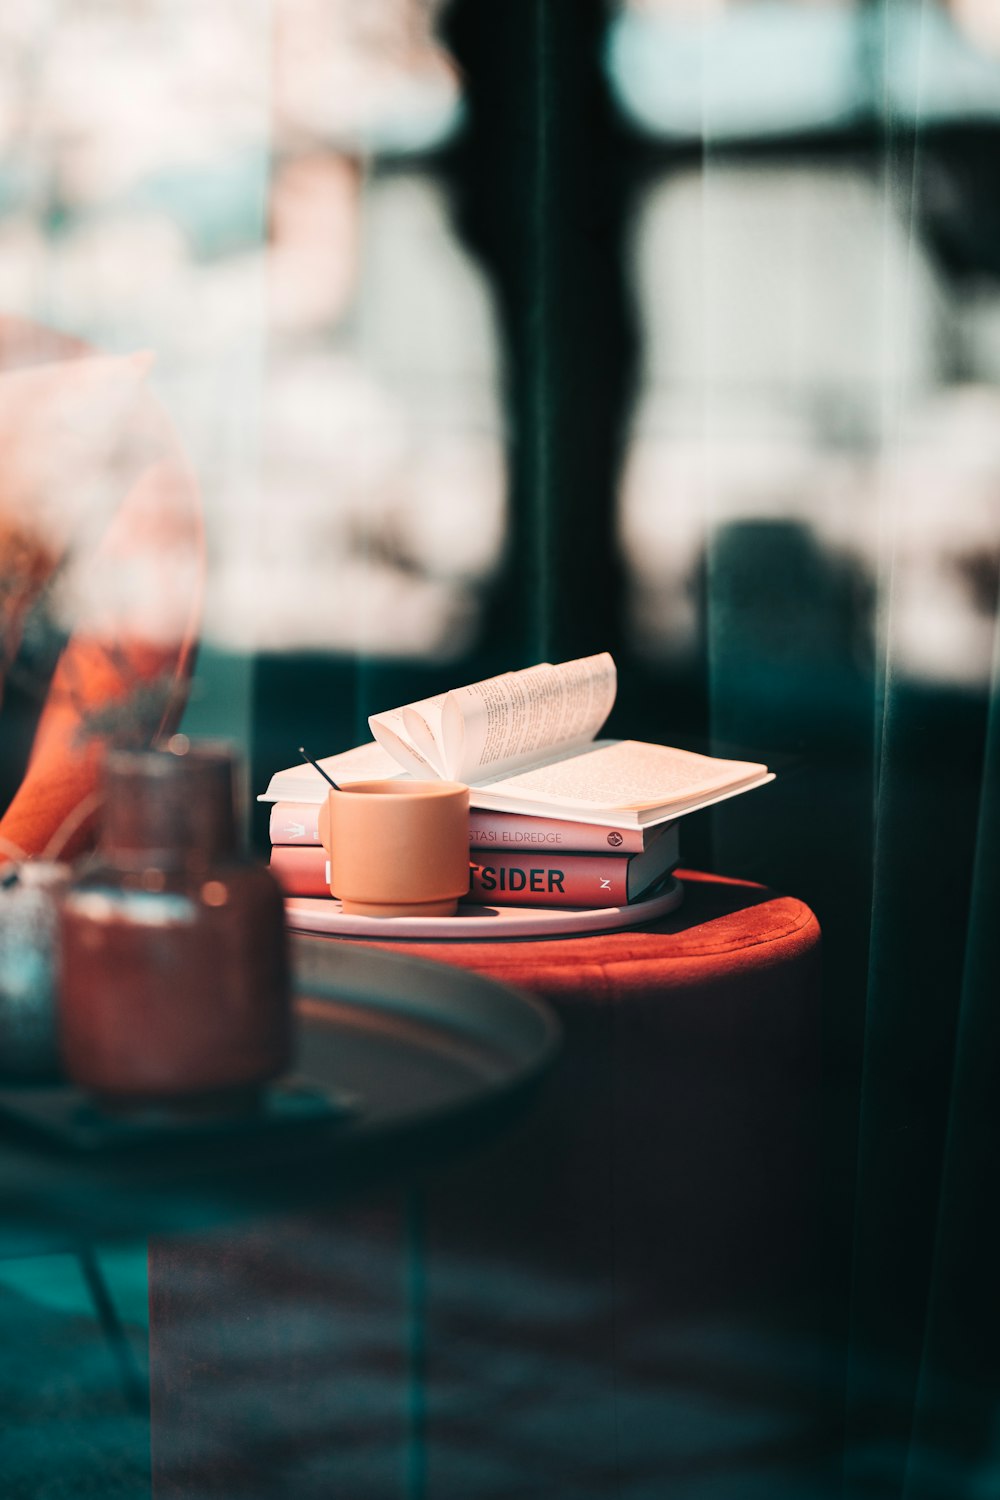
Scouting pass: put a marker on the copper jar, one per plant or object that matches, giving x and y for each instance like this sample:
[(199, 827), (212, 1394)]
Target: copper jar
[(173, 964)]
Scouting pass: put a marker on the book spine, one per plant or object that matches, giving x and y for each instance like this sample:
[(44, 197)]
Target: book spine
[(516, 831), (505, 879), (301, 870), (297, 823), (497, 879)]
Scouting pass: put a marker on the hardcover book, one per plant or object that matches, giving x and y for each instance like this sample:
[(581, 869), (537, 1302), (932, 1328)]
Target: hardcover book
[(298, 823), (301, 869), (524, 742), (505, 877)]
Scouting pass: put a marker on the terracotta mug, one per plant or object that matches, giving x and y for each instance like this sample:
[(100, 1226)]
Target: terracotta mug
[(398, 848)]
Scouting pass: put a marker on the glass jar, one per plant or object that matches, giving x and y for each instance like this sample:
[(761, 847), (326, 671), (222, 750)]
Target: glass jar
[(29, 1047), (173, 961)]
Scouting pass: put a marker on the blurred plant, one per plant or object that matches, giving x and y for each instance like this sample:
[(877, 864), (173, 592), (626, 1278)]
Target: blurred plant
[(25, 568), (131, 720)]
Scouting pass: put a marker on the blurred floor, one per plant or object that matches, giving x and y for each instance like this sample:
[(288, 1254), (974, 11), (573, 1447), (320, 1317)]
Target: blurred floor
[(67, 1427)]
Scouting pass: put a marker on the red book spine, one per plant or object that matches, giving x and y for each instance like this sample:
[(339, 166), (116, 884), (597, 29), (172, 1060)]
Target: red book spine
[(502, 879), (302, 869), (497, 878)]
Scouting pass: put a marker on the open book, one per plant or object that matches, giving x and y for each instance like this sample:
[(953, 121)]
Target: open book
[(525, 742)]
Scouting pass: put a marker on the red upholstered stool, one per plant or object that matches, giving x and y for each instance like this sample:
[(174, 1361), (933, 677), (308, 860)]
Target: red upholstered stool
[(692, 1057), (617, 1297)]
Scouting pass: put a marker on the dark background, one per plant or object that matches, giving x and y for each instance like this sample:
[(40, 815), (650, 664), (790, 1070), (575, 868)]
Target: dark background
[(877, 816)]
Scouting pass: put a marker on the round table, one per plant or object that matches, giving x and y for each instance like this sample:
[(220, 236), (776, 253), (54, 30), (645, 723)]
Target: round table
[(430, 1057)]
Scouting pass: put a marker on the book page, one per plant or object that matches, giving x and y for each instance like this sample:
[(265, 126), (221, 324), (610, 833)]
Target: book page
[(627, 774), (423, 726), (390, 731), (303, 783), (518, 718)]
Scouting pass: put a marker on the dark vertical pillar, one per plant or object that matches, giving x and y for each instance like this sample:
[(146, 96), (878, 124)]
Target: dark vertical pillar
[(539, 198)]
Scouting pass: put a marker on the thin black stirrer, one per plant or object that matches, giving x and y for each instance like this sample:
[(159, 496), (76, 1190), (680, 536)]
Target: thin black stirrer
[(316, 766)]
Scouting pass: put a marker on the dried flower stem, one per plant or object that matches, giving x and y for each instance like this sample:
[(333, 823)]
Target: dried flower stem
[(71, 824)]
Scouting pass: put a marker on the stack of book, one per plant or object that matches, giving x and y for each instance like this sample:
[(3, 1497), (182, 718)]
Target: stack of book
[(558, 818), (514, 859)]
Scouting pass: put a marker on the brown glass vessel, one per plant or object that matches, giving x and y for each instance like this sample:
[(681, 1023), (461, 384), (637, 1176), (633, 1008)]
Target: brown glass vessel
[(173, 965)]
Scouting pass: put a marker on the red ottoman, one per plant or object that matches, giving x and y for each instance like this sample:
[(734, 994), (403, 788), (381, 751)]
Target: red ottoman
[(618, 1297), (691, 1058)]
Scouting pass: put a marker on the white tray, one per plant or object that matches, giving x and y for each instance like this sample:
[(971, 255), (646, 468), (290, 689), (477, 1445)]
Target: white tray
[(323, 914)]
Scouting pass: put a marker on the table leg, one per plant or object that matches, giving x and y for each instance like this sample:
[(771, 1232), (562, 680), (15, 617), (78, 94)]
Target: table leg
[(133, 1382)]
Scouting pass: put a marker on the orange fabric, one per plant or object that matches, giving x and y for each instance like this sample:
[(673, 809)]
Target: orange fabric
[(121, 678), (725, 927)]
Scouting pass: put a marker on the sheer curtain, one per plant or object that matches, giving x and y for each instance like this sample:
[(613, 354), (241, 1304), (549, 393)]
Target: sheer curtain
[(820, 421), (253, 192), (498, 332)]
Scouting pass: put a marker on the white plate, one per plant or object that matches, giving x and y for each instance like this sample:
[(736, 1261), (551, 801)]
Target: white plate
[(323, 914)]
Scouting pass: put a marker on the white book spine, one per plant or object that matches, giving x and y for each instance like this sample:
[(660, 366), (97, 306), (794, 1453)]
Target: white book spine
[(514, 831), (298, 823), (294, 823)]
